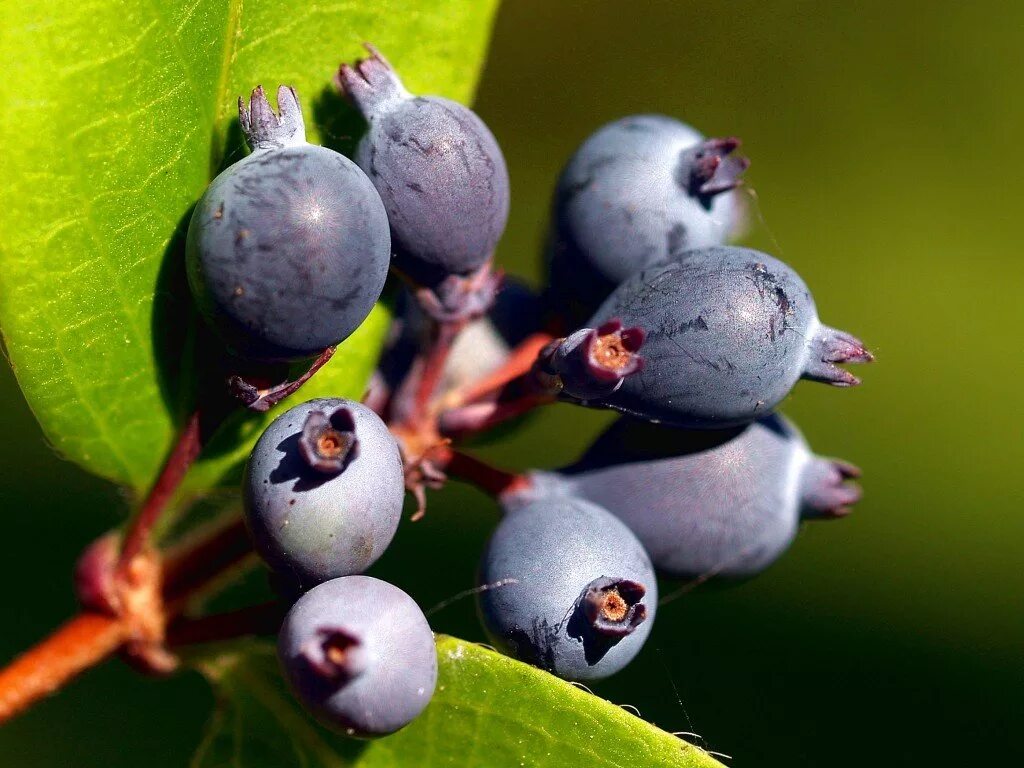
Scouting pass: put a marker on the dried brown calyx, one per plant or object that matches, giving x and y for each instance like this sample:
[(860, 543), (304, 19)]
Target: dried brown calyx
[(328, 443), (335, 654), (614, 607)]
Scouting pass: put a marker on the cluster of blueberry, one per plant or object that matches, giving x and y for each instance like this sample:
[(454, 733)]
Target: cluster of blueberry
[(290, 248)]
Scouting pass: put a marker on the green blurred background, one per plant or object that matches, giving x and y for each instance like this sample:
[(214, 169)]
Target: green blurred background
[(885, 169)]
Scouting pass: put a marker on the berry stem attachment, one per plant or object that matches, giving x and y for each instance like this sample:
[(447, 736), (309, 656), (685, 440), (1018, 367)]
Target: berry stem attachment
[(184, 453), (492, 480), (519, 363), (81, 643), (253, 620), (262, 400), (480, 417)]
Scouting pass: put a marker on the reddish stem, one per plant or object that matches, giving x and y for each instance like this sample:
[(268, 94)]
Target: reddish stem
[(192, 566), (479, 417), (487, 478), (519, 363), (433, 365), (82, 642), (262, 400), (184, 453), (262, 619)]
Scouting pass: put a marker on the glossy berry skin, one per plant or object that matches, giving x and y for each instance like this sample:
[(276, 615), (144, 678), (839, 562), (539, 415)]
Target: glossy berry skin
[(323, 494), (359, 655), (543, 567), (288, 249), (706, 504), (438, 169), (729, 331), (628, 198)]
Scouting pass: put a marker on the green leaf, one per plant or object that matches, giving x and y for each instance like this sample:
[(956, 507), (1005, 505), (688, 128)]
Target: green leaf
[(488, 710), (117, 115)]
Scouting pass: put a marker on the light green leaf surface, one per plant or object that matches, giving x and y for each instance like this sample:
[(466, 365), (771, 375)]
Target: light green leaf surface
[(488, 712), (117, 115)]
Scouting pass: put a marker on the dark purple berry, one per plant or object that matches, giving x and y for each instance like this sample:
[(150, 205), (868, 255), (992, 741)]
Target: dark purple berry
[(729, 332), (359, 655), (723, 503), (289, 248), (323, 491), (636, 191), (568, 588), (438, 169)]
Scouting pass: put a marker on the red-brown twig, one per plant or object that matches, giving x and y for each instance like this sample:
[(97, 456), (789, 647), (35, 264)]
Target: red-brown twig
[(262, 619), (184, 453), (81, 643), (492, 480), (432, 370), (479, 417), (519, 363), (262, 400), (92, 637)]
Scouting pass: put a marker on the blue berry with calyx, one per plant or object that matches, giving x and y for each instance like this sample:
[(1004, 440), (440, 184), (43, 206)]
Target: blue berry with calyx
[(729, 331), (637, 190), (437, 167), (359, 655), (323, 491), (289, 248), (724, 503), (567, 587), (592, 363)]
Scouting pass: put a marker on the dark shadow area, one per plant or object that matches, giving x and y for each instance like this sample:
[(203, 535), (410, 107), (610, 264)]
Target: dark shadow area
[(293, 467), (340, 125), (595, 645), (175, 326)]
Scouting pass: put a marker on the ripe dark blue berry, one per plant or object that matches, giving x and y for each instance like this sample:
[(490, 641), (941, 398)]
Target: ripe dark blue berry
[(637, 190), (323, 491), (289, 248), (437, 167), (569, 588), (707, 503), (729, 332), (359, 655)]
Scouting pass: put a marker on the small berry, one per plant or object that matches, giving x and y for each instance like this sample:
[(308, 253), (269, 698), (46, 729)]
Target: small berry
[(729, 331), (722, 503), (437, 167), (289, 248), (323, 491), (570, 588), (637, 190), (359, 655)]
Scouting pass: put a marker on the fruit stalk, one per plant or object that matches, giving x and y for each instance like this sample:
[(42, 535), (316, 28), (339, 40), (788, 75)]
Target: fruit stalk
[(184, 453), (81, 643)]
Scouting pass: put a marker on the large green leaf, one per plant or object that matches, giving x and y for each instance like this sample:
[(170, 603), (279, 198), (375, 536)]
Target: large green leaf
[(488, 711), (117, 115)]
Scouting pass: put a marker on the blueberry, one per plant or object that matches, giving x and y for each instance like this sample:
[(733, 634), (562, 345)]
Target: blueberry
[(568, 588), (637, 190), (289, 248), (437, 167), (359, 655), (729, 331), (323, 490), (722, 503)]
